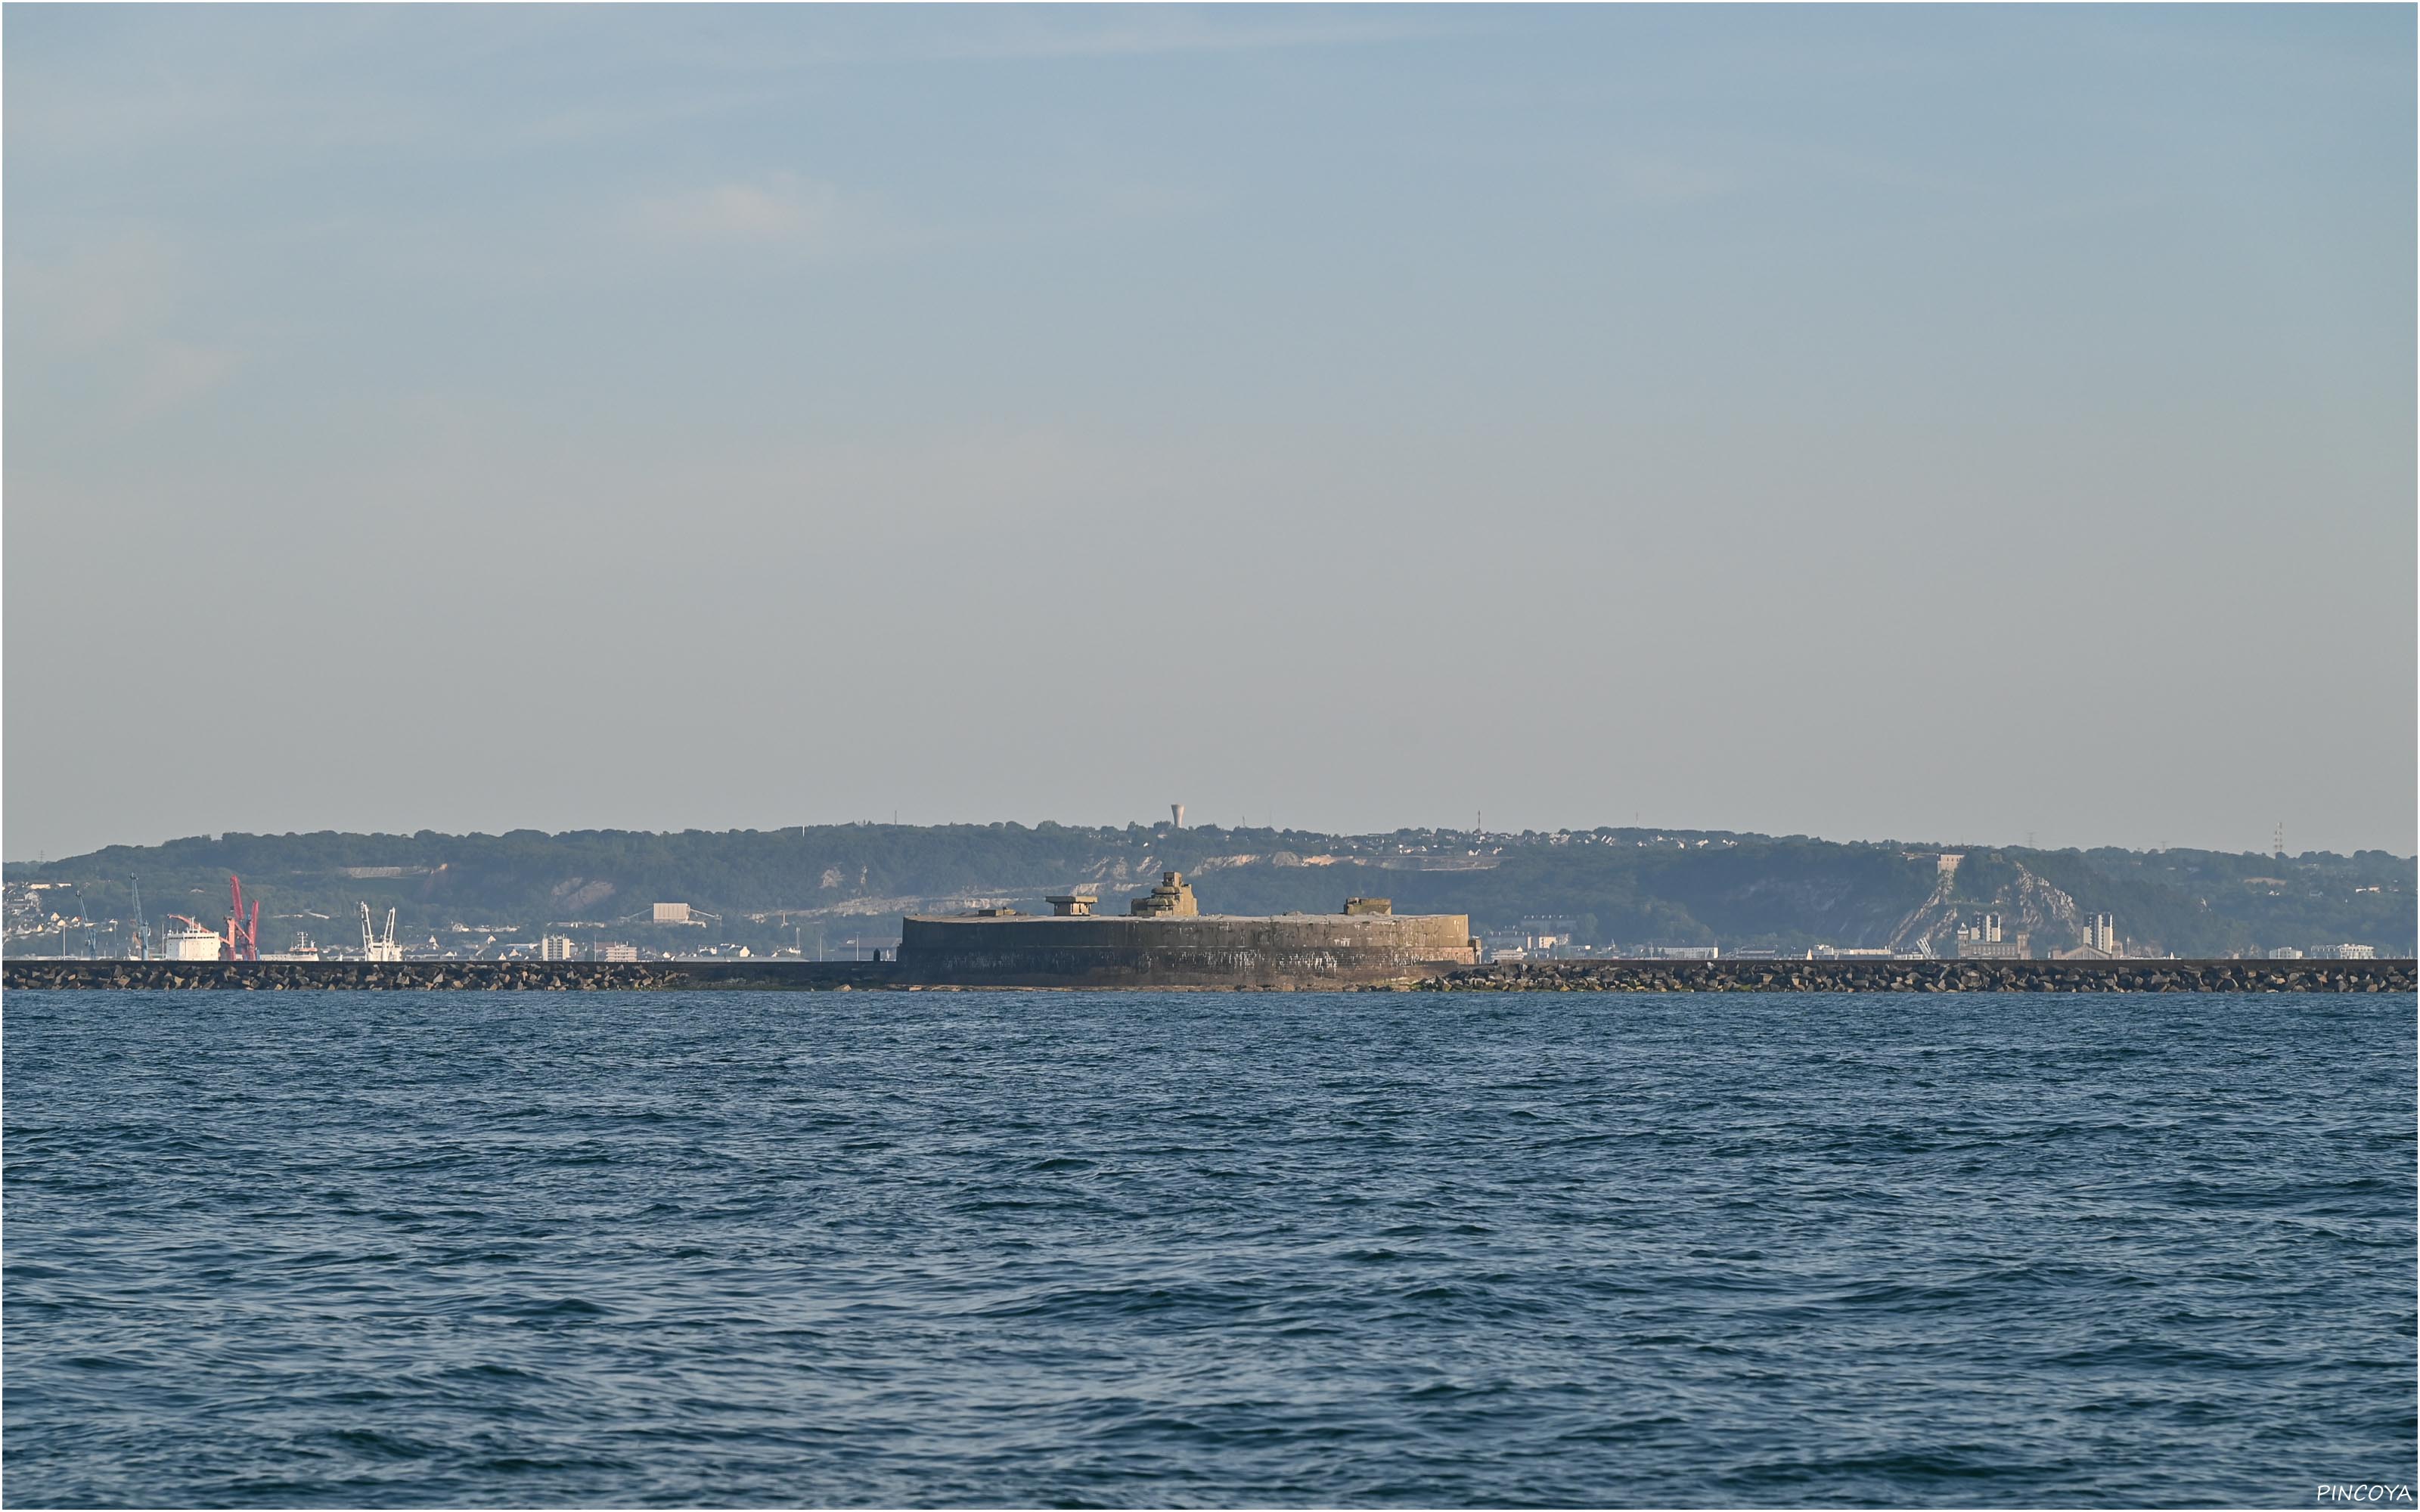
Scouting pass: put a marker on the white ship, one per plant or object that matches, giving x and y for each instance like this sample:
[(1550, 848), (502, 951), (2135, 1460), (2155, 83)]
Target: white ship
[(303, 949), (189, 941)]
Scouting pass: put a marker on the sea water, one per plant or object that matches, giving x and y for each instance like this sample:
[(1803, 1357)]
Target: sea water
[(1080, 1249)]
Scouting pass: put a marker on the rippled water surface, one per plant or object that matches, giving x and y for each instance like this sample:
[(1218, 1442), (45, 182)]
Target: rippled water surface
[(385, 1249)]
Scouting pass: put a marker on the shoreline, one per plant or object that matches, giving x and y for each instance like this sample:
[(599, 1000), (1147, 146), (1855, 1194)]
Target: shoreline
[(1520, 977)]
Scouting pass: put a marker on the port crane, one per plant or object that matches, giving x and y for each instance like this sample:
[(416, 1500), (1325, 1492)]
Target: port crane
[(142, 930), (242, 942), (378, 947)]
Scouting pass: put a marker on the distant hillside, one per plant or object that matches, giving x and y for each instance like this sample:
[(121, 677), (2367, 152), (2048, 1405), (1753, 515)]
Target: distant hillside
[(1630, 887)]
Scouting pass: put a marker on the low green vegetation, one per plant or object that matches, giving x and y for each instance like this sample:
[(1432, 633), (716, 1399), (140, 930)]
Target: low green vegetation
[(828, 884)]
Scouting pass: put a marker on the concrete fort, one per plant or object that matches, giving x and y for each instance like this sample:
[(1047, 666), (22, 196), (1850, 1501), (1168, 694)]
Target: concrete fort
[(1166, 941)]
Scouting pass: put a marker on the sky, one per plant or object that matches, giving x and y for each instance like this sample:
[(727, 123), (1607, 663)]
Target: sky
[(1981, 425)]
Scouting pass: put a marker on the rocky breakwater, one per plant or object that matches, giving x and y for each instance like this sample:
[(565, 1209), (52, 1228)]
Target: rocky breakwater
[(1929, 976), (472, 976)]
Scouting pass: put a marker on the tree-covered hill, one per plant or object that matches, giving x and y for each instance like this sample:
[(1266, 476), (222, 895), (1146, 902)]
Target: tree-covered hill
[(1624, 887)]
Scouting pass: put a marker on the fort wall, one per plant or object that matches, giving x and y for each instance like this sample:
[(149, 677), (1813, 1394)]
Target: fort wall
[(1199, 950)]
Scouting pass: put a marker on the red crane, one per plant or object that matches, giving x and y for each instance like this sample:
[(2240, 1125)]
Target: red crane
[(242, 942)]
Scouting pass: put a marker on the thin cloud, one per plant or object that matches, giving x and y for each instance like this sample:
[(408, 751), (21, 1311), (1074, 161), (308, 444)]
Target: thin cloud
[(108, 310), (172, 374), (1650, 181), (95, 297), (783, 211), (1156, 31)]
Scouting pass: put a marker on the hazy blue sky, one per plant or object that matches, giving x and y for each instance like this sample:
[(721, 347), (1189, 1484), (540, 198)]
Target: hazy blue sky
[(1906, 423)]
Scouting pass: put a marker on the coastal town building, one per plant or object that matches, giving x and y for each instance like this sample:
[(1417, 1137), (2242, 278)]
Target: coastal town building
[(1538, 936), (1983, 940)]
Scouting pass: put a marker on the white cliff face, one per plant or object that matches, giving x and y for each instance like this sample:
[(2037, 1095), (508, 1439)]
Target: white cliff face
[(2028, 904)]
